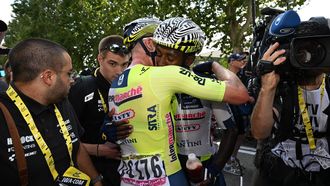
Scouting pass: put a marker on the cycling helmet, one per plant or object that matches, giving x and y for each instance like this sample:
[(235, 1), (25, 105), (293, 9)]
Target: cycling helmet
[(181, 34), (138, 29)]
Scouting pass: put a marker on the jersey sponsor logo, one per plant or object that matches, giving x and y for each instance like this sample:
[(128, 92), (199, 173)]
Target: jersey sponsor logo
[(186, 72), (12, 157), (24, 139), (190, 116), (100, 106), (144, 69), (70, 130), (25, 147), (128, 141), (171, 137), (126, 114), (188, 102), (133, 93), (187, 143), (188, 128), (153, 122), (89, 97), (28, 144)]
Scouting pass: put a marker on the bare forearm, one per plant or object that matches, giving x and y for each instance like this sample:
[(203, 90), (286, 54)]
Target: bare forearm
[(91, 149), (236, 92), (222, 73), (262, 116), (85, 164), (227, 146)]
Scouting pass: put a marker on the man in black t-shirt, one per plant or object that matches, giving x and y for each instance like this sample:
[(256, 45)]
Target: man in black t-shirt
[(89, 97), (45, 120)]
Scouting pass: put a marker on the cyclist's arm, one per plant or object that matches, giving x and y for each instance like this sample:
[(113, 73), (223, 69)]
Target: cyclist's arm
[(236, 92), (168, 80)]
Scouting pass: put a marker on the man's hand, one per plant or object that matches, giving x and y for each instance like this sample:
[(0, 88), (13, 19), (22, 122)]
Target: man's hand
[(123, 128), (115, 130), (270, 80), (109, 150)]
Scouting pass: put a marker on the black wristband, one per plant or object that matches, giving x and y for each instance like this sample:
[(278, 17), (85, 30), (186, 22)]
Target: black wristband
[(264, 67), (97, 179)]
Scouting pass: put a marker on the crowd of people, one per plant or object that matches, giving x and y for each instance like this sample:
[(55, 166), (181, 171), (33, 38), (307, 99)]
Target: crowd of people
[(137, 118)]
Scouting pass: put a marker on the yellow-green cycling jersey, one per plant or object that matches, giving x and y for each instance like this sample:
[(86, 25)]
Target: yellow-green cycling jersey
[(143, 95)]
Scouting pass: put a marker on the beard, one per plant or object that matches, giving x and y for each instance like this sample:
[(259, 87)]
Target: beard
[(58, 92)]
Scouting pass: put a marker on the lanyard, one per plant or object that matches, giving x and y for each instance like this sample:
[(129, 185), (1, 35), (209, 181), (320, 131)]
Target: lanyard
[(103, 102), (101, 97), (36, 134), (305, 115)]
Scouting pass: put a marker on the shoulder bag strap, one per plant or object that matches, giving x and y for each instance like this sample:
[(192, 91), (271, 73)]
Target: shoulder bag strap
[(19, 151)]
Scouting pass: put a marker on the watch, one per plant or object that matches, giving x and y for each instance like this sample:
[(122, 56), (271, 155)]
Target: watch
[(97, 179)]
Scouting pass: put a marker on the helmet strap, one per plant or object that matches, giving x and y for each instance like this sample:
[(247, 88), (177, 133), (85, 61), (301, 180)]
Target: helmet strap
[(151, 54), (185, 59)]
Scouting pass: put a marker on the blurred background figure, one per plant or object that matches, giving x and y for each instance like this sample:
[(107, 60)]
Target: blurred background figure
[(237, 63), (3, 30)]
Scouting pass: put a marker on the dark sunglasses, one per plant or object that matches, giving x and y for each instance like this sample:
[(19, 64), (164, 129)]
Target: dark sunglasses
[(114, 48)]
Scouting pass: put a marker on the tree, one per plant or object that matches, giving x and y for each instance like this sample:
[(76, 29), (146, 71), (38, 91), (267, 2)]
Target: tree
[(80, 24)]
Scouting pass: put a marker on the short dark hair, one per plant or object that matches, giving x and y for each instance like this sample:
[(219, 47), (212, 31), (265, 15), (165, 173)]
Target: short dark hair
[(31, 56), (110, 40)]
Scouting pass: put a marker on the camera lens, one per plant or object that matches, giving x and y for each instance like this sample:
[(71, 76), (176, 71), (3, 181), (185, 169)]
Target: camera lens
[(309, 53)]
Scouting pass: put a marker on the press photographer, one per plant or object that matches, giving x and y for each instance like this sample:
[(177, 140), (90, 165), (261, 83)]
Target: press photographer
[(292, 107)]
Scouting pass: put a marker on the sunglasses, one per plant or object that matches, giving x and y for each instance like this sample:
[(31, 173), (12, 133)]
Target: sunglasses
[(114, 48)]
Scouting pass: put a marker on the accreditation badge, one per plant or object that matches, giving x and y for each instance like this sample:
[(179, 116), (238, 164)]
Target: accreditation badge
[(73, 177)]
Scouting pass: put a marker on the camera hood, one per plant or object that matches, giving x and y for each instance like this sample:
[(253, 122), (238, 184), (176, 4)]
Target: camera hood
[(310, 52)]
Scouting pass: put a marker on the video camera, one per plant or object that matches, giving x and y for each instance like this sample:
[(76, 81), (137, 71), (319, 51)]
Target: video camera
[(307, 46)]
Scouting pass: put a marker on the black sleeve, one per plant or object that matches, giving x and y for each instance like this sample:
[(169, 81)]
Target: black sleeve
[(80, 130), (76, 97)]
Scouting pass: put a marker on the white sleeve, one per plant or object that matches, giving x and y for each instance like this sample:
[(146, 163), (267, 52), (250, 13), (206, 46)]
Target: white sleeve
[(223, 115)]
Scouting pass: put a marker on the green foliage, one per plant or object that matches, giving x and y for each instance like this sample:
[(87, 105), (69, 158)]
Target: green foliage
[(80, 24)]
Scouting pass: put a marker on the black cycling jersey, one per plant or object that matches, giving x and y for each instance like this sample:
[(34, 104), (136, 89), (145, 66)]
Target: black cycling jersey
[(85, 97), (47, 124)]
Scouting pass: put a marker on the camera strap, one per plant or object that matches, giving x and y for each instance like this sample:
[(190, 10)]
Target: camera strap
[(305, 115)]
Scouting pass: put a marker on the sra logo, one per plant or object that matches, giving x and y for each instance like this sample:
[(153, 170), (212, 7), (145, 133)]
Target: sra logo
[(153, 123)]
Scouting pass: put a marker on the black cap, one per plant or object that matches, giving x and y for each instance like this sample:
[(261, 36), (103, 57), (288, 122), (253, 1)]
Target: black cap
[(237, 57)]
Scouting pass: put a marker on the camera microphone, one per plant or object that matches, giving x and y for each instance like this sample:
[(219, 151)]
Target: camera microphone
[(285, 24)]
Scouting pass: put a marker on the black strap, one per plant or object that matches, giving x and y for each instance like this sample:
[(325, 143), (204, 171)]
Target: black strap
[(19, 151), (327, 87), (286, 123), (151, 54)]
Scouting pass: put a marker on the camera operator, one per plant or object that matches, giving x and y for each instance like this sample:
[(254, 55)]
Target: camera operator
[(295, 122)]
